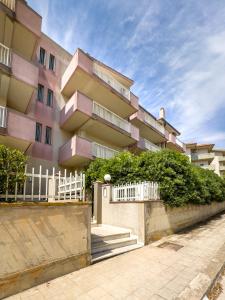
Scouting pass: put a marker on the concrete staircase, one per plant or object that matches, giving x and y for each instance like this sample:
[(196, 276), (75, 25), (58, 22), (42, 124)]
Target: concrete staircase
[(108, 241)]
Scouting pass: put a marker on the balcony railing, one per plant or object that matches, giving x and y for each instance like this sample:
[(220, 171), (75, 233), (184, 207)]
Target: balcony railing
[(111, 81), (11, 4), (202, 156), (181, 144), (5, 55), (151, 121), (3, 117), (150, 146), (111, 117), (221, 158), (101, 151)]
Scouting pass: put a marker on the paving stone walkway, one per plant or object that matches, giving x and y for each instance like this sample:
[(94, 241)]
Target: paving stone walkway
[(152, 272)]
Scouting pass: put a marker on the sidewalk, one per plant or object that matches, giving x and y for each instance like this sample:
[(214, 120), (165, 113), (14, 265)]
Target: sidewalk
[(181, 271)]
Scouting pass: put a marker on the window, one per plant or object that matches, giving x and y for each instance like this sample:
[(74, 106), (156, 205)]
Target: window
[(40, 96), (51, 62), (48, 136), (38, 132), (50, 98), (42, 56)]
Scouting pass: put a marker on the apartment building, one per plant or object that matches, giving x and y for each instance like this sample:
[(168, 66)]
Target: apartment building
[(207, 157), (63, 110)]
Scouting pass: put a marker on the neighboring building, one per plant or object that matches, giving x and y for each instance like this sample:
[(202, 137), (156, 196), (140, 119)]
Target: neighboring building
[(205, 156), (66, 110)]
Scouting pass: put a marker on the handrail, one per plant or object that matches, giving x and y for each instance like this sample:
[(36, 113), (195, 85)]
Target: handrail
[(111, 117), (3, 117), (5, 55)]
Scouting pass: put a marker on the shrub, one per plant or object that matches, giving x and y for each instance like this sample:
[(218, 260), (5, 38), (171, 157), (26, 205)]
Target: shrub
[(12, 164), (180, 182)]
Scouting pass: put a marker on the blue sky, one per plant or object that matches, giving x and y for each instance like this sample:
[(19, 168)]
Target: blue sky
[(173, 49)]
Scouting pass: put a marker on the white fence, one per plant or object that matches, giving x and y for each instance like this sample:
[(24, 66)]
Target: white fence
[(144, 191), (111, 117), (3, 117), (111, 81), (101, 151), (46, 186), (5, 55), (11, 4)]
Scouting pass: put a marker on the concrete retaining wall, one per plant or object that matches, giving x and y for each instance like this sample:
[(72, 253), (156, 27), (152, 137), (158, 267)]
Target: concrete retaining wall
[(40, 242), (151, 220)]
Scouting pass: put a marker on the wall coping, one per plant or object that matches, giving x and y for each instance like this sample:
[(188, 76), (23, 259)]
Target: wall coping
[(129, 202), (43, 204)]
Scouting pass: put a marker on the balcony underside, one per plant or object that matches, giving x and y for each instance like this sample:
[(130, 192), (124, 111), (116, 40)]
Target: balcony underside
[(147, 132), (17, 36), (175, 147), (16, 93), (107, 132), (99, 91), (75, 161), (13, 142), (75, 121), (24, 41)]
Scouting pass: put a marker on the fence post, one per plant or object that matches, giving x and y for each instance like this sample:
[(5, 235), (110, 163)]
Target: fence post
[(98, 202)]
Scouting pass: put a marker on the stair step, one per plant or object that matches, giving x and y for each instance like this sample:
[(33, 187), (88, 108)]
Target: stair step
[(112, 244), (97, 257), (97, 238)]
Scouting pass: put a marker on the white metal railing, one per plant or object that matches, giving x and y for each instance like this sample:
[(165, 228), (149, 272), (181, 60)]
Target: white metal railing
[(144, 191), (3, 117), (5, 55), (202, 156), (150, 146), (151, 121), (111, 81), (11, 4), (101, 151), (46, 186), (208, 167), (111, 117), (179, 143)]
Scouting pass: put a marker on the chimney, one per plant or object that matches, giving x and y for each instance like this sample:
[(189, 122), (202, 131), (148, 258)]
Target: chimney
[(162, 113)]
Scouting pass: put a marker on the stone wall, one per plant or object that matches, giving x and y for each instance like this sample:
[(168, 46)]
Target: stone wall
[(151, 220), (162, 220), (40, 242)]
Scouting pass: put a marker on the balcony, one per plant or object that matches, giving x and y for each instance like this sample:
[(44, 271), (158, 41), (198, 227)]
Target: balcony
[(97, 121), (221, 158), (21, 27), (16, 130), (116, 85), (150, 146), (208, 167), (79, 152), (222, 168), (81, 75), (17, 86), (202, 156), (148, 126), (175, 144)]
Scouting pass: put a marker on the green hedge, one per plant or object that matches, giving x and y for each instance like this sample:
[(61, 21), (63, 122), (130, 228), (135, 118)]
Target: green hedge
[(180, 181), (12, 164)]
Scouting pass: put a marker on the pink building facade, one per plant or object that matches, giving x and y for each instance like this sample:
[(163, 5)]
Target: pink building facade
[(63, 110)]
